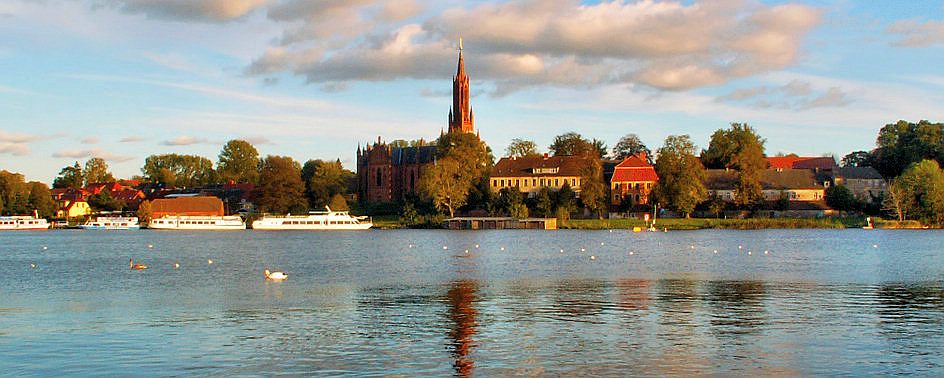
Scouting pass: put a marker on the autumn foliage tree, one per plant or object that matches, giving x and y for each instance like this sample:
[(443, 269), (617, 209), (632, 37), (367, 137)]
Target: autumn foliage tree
[(740, 148), (280, 187), (239, 162), (681, 183)]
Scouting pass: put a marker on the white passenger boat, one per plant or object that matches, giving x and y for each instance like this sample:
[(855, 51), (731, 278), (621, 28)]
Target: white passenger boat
[(320, 220), (112, 223), (198, 223), (23, 222)]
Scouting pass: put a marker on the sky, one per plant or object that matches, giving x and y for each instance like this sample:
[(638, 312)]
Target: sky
[(124, 79)]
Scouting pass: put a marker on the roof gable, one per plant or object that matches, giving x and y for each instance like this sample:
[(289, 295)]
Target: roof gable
[(567, 165)]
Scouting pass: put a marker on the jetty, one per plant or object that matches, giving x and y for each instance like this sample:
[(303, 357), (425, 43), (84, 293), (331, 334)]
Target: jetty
[(499, 223)]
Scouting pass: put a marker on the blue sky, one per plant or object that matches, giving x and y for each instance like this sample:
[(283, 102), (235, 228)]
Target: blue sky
[(123, 79)]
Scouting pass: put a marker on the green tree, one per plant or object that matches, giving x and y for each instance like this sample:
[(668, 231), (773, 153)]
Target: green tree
[(570, 143), (96, 171), (69, 177), (40, 199), (103, 201), (338, 203), (740, 148), (280, 187), (145, 212), (323, 180), (179, 170), (920, 189), (631, 145), (522, 148), (14, 194), (239, 162), (841, 198), (544, 204), (857, 159), (446, 184), (592, 189), (903, 143), (465, 159), (681, 175)]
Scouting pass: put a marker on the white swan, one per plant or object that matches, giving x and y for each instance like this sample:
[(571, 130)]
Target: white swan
[(275, 276)]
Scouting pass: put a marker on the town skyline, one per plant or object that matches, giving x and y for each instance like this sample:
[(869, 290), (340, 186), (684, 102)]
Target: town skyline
[(123, 80)]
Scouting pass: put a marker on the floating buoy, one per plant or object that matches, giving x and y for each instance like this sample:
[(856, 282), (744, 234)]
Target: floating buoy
[(476, 246), (176, 265), (593, 257), (562, 251), (467, 251), (716, 251), (874, 245), (445, 248), (209, 261), (748, 253), (766, 252), (739, 247), (630, 253), (33, 266), (693, 246), (583, 250), (502, 248), (601, 243), (150, 245), (275, 276), (45, 247)]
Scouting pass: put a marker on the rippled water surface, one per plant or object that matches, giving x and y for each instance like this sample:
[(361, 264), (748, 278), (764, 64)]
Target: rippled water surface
[(797, 302)]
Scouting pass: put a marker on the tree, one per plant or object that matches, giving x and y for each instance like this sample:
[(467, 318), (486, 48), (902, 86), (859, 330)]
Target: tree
[(841, 198), (446, 184), (179, 170), (103, 201), (96, 171), (900, 144), (565, 202), (338, 203), (681, 175), (522, 148), (280, 187), (592, 189), (323, 180), (921, 188), (857, 159), (14, 194), (464, 159), (40, 199), (511, 203), (144, 212), (239, 162), (572, 143), (740, 148), (69, 177), (631, 145), (897, 200), (544, 204)]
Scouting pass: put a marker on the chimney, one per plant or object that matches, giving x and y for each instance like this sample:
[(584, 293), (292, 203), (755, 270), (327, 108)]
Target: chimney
[(545, 156)]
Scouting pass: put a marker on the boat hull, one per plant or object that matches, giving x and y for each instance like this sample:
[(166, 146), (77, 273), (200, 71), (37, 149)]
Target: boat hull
[(258, 225), (23, 223), (198, 223)]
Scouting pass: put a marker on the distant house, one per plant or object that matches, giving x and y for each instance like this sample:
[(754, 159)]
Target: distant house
[(187, 206), (633, 180), (530, 174), (819, 163), (864, 182), (795, 184), (74, 209)]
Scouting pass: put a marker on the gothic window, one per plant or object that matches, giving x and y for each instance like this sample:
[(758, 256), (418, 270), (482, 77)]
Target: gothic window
[(412, 181), (379, 176)]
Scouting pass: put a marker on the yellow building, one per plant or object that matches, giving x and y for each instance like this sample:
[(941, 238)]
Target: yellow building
[(530, 174), (73, 209), (795, 184)]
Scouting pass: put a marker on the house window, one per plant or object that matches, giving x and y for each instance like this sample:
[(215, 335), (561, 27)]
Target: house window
[(495, 183), (542, 182), (517, 182), (556, 182), (534, 182), (503, 183), (573, 182)]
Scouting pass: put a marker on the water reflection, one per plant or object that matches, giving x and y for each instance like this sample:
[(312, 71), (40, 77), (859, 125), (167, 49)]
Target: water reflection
[(462, 298), (737, 307)]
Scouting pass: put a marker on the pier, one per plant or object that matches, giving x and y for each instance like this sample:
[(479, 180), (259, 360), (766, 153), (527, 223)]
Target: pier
[(500, 223)]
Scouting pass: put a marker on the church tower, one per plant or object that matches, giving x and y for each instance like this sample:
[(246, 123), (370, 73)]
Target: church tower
[(461, 118)]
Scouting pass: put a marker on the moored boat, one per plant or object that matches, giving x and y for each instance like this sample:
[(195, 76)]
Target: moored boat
[(197, 223), (112, 223), (320, 220), (23, 222)]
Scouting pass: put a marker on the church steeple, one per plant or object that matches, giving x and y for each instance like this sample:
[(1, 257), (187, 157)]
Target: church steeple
[(460, 115)]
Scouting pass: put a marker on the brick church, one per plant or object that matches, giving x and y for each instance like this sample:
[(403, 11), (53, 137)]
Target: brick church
[(388, 174)]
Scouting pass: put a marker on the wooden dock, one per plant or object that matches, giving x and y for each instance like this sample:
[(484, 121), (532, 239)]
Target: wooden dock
[(500, 223)]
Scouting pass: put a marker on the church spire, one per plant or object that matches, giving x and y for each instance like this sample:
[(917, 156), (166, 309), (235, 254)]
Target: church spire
[(460, 115)]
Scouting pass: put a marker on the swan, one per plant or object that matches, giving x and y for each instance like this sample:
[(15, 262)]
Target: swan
[(275, 276), (136, 266)]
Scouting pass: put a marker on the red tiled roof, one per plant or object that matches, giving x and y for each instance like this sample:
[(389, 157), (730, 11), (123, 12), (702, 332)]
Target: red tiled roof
[(635, 175), (797, 162), (196, 206), (635, 161)]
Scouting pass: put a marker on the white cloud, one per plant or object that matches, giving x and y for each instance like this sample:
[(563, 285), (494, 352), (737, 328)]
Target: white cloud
[(183, 141), (89, 153), (189, 10), (89, 140), (913, 33), (132, 139), (667, 45), (18, 149), (796, 95), (257, 140)]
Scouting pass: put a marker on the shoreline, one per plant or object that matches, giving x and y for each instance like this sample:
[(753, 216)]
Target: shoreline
[(683, 224)]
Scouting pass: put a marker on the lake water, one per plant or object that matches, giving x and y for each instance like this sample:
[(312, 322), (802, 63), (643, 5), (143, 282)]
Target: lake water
[(777, 302)]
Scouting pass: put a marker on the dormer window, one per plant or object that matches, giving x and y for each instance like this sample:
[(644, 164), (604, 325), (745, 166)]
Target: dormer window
[(552, 170)]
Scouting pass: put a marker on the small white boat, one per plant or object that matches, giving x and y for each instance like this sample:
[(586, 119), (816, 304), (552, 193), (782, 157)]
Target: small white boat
[(198, 223), (112, 223), (868, 225), (23, 222), (320, 220)]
